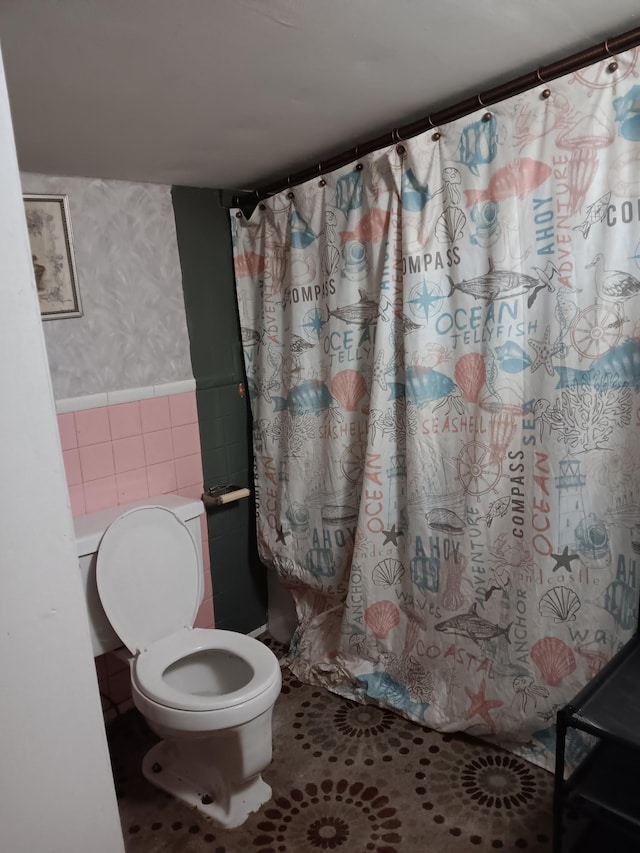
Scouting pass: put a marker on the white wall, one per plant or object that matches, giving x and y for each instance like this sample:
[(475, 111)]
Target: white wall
[(56, 789)]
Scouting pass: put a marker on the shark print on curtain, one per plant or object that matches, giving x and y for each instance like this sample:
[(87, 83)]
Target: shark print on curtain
[(442, 348)]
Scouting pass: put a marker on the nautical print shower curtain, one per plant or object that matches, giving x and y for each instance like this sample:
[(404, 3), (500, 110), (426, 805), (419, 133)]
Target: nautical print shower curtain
[(442, 348)]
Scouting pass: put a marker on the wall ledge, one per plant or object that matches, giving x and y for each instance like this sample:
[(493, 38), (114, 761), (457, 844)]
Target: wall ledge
[(127, 395)]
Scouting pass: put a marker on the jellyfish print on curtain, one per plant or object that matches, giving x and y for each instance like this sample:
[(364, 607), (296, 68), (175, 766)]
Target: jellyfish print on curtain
[(442, 351)]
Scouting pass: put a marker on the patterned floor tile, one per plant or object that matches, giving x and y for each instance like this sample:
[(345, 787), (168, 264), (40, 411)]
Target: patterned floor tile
[(349, 778)]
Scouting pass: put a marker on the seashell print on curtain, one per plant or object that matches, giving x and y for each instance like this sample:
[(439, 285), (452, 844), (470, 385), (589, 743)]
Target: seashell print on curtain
[(442, 348)]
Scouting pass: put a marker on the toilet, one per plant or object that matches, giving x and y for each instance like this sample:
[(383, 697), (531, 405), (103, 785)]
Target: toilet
[(209, 694)]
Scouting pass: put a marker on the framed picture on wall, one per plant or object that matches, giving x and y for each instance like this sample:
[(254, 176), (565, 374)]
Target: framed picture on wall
[(54, 267)]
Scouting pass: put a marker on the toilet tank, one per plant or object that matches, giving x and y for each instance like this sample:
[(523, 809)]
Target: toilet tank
[(89, 530)]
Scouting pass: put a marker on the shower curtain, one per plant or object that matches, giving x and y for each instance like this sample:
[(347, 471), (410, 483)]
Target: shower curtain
[(443, 360)]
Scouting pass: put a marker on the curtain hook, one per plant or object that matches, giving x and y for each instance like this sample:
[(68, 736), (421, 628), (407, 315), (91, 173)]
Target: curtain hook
[(486, 116), (290, 194), (396, 138), (612, 66), (322, 181), (546, 93), (436, 136)]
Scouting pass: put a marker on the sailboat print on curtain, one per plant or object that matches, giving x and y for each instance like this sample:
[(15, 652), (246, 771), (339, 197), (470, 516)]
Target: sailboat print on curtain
[(442, 346)]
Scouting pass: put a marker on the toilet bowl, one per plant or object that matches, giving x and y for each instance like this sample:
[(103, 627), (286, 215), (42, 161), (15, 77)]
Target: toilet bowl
[(209, 694)]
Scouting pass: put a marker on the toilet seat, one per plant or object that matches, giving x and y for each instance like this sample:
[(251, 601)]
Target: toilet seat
[(148, 575), (150, 668), (149, 579)]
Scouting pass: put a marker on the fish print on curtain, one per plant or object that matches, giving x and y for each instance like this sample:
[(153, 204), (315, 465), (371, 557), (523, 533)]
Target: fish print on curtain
[(442, 347)]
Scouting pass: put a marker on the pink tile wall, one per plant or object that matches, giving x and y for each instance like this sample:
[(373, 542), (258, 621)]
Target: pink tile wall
[(126, 452)]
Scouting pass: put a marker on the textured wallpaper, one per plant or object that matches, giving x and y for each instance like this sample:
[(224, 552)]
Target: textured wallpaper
[(133, 332)]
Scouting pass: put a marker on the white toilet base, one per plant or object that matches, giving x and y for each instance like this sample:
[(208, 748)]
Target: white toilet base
[(229, 808)]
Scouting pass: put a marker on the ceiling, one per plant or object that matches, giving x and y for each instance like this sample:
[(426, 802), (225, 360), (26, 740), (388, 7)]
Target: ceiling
[(233, 93)]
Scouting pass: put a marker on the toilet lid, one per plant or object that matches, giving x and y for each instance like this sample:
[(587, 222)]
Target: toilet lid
[(148, 576)]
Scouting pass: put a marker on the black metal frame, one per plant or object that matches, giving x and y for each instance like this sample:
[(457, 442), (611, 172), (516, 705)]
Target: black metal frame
[(570, 717)]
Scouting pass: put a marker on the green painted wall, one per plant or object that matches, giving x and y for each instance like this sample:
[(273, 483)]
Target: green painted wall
[(206, 257)]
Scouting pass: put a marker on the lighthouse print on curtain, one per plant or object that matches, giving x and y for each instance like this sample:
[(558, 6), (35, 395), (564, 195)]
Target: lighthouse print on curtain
[(442, 351)]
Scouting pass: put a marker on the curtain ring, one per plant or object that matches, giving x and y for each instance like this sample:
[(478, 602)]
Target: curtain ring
[(546, 93), (486, 116), (290, 194), (436, 136), (613, 65), (396, 138)]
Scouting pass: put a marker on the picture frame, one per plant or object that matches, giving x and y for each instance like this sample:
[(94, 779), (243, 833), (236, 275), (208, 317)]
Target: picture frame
[(49, 228)]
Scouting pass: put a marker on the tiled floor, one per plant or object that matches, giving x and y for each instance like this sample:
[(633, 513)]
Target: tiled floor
[(349, 778)]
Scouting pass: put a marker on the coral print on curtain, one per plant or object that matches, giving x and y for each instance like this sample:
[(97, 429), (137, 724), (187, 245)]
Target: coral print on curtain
[(442, 345)]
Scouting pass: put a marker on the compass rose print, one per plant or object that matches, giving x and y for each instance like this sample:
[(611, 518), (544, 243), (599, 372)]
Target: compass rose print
[(425, 300), (312, 324)]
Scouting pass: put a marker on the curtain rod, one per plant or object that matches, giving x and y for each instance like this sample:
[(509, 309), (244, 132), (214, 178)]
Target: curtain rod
[(544, 74)]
